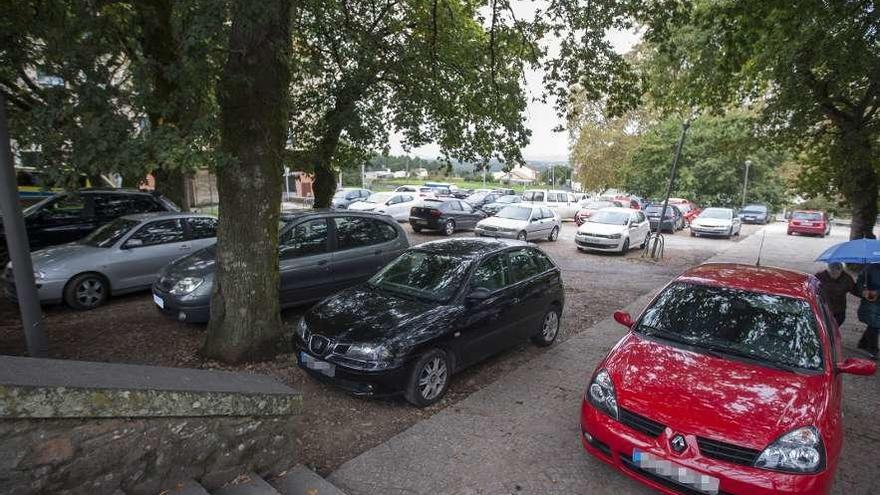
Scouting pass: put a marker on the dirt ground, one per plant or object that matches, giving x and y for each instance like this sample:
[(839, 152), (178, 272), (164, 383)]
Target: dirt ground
[(335, 426)]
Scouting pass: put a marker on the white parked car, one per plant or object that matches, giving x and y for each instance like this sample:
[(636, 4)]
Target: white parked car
[(716, 221), (564, 203), (394, 204), (521, 221), (613, 229), (421, 191)]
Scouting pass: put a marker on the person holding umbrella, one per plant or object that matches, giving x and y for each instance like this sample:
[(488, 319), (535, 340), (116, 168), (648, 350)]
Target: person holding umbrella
[(868, 285), (866, 252), (836, 284)]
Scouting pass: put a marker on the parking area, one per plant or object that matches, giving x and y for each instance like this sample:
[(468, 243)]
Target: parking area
[(336, 427)]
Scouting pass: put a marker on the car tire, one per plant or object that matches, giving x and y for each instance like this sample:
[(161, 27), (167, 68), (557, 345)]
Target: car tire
[(693, 234), (522, 236), (554, 234), (549, 328), (625, 247), (644, 243), (429, 379), (417, 229), (449, 227), (86, 291)]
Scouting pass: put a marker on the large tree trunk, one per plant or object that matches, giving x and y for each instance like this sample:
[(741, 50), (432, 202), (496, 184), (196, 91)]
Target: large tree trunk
[(858, 179), (332, 125), (253, 89)]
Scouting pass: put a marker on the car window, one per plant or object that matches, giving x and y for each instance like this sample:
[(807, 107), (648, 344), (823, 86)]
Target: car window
[(546, 213), (640, 217), (542, 260), (354, 232), (65, 207), (352, 195), (202, 227), (533, 196), (110, 233), (406, 199), (159, 232), (454, 206), (522, 265), (829, 323), (633, 219), (491, 274), (305, 239), (551, 197), (466, 207), (385, 231), (768, 328)]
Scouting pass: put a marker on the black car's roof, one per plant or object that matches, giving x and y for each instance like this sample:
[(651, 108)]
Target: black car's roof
[(289, 216), (468, 247)]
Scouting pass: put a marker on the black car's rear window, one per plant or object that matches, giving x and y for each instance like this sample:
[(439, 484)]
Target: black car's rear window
[(776, 330)]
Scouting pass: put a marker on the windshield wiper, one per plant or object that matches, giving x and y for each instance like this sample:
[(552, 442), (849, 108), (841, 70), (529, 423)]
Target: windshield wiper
[(662, 333), (721, 351)]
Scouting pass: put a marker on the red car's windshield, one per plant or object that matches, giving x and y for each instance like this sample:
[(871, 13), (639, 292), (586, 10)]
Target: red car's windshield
[(776, 330)]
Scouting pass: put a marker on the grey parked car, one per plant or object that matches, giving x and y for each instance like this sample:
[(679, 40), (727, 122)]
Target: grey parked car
[(124, 255), (524, 221), (348, 195), (321, 252)]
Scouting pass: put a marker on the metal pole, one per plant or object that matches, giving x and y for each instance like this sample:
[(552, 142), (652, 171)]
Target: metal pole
[(363, 175), (745, 183), (684, 128), (19, 250)]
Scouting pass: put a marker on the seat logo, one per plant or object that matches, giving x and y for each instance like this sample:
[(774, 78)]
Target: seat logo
[(677, 443)]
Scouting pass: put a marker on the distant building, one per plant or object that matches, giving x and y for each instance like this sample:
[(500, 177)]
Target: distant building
[(520, 174), (400, 174), (420, 173)]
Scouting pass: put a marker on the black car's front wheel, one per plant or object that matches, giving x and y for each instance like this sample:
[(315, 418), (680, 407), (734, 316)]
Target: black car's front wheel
[(449, 227), (549, 328), (86, 291), (554, 234), (429, 379)]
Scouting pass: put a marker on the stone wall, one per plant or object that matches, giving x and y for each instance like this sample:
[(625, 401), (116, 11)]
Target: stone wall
[(69, 427)]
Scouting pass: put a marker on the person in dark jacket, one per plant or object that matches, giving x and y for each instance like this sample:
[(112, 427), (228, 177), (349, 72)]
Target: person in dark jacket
[(869, 310), (835, 285)]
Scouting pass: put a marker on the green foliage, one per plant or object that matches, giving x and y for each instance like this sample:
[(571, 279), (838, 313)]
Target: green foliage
[(712, 164)]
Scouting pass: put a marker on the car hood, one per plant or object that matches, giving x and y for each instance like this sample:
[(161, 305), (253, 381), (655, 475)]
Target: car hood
[(58, 258), (712, 222), (601, 228), (197, 264), (503, 223), (365, 314), (720, 399), (362, 206)]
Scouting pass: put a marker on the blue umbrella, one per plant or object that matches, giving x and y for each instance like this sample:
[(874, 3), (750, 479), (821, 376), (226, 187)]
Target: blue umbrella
[(858, 251)]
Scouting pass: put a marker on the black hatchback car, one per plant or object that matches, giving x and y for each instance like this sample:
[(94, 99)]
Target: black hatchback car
[(67, 217), (438, 308), (445, 215), (321, 252)]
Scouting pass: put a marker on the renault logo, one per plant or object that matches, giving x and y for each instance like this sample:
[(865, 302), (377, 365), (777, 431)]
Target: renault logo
[(678, 444)]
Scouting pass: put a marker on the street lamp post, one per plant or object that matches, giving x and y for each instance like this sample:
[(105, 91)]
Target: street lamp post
[(746, 183)]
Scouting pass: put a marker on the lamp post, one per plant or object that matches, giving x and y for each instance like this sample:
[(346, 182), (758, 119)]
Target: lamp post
[(745, 183)]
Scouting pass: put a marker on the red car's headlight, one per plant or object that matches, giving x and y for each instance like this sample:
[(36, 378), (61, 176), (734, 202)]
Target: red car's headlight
[(798, 451), (601, 394)]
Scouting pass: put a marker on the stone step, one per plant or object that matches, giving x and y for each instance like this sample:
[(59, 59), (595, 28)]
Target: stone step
[(247, 484), (300, 480), (188, 487)]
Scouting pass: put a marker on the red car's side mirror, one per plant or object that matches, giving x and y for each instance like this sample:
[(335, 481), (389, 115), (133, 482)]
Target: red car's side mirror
[(855, 366), (623, 318)]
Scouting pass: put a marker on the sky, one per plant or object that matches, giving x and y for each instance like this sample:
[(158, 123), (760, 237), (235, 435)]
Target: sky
[(545, 144)]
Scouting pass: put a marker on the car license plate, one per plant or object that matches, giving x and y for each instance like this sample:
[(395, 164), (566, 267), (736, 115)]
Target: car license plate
[(159, 302), (311, 363), (420, 221), (670, 470)]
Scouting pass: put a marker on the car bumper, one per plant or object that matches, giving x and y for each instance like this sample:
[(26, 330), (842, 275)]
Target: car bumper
[(358, 382), (598, 243), (667, 224), (48, 291), (724, 231), (757, 220), (196, 311), (495, 233), (425, 223), (613, 443), (800, 229)]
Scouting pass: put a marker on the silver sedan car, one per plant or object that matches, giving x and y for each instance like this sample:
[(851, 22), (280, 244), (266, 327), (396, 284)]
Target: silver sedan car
[(521, 221), (123, 256)]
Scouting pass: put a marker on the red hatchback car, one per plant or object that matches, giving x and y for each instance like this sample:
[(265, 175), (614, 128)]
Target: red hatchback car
[(809, 222), (728, 383)]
